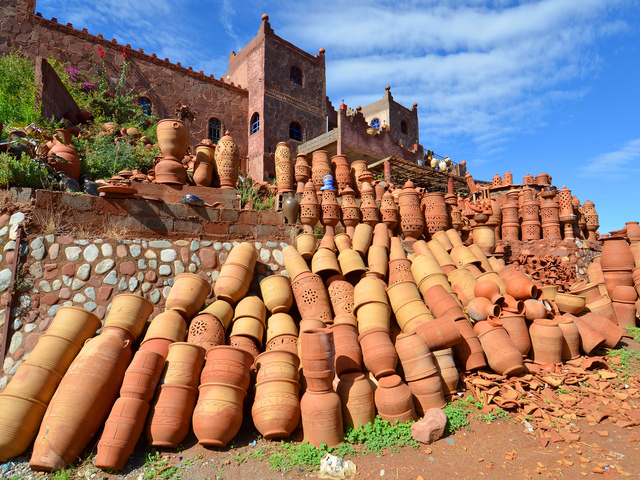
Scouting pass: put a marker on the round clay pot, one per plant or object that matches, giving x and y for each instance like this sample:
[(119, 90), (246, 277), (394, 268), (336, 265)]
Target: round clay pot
[(503, 356), (546, 341), (427, 393), (227, 364), (341, 294), (567, 303), (142, 376), (311, 297), (440, 333), (358, 407), (306, 245), (276, 408), (206, 330), (447, 371), (217, 417), (184, 364), (222, 311), (480, 308), (495, 278), (169, 325), (616, 254), (378, 352), (534, 309), (20, 418), (170, 415), (516, 327), (490, 290), (129, 311), (571, 338), (348, 354), (322, 418), (188, 294), (173, 138), (280, 324), (277, 365), (393, 400), (74, 323), (203, 174)]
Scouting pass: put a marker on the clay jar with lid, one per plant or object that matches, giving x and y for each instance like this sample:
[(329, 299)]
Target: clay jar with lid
[(546, 341), (358, 407), (393, 400)]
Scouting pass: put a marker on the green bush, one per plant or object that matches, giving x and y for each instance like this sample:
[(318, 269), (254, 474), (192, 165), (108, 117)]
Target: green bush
[(17, 90), (23, 171)]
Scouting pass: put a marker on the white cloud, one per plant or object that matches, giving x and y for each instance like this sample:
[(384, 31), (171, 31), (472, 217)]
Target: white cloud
[(620, 163)]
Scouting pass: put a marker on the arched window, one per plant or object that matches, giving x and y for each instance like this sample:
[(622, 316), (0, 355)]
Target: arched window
[(295, 75), (295, 131), (403, 127), (215, 130), (375, 123), (255, 123), (145, 103)]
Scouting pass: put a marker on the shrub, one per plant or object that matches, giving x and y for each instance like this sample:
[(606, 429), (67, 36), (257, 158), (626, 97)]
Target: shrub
[(18, 90)]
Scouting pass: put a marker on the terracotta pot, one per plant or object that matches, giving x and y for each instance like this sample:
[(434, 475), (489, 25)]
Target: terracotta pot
[(276, 408), (441, 256), (590, 340), (222, 311), (549, 292), (309, 208), (325, 263), (488, 289), (203, 174), (571, 338), (440, 333), (129, 311), (142, 376), (121, 433), (71, 419), (468, 352), (358, 167), (251, 307), (341, 294), (280, 324), (169, 325), (480, 308), (567, 303), (277, 365), (378, 353), (400, 271), (393, 400), (284, 168), (435, 212), (358, 407), (389, 212), (370, 305), (348, 355), (320, 168), (54, 353), (427, 393), (293, 262), (616, 254), (617, 278), (74, 323), (462, 255), (521, 288), (534, 309), (227, 163), (512, 305), (306, 245), (227, 364), (415, 357), (378, 260), (65, 159), (287, 343), (625, 313), (173, 138), (362, 238), (609, 330), (350, 210), (381, 236), (342, 241), (351, 265), (207, 331), (248, 327), (518, 331), (302, 171), (170, 415), (33, 381), (188, 294), (447, 371), (546, 341), (440, 301), (322, 418), (184, 364), (502, 355), (317, 351), (345, 318), (462, 283), (157, 345), (20, 418), (441, 237), (330, 209), (342, 171), (311, 297), (411, 218), (218, 414)]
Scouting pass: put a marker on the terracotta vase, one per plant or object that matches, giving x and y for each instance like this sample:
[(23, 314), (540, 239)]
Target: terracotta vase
[(227, 364), (129, 312), (276, 293), (306, 245), (348, 354), (188, 294), (341, 294), (276, 408), (170, 415), (173, 138), (350, 210), (546, 341), (447, 371), (435, 212), (440, 333), (368, 206), (358, 407), (236, 274), (121, 433), (184, 364), (320, 168), (330, 209), (357, 168), (217, 417), (206, 331), (609, 330), (311, 297), (519, 286), (20, 419), (169, 325), (284, 168), (590, 340), (321, 414), (291, 209), (490, 290), (317, 355), (71, 419), (277, 365), (571, 338), (65, 159), (480, 308), (227, 162), (518, 331), (204, 165), (393, 400), (427, 393), (411, 219), (389, 212), (616, 254), (378, 353), (309, 207), (468, 352), (342, 172), (302, 172), (502, 355)]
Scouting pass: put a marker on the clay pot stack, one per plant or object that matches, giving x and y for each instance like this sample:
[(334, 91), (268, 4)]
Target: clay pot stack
[(248, 325), (173, 140)]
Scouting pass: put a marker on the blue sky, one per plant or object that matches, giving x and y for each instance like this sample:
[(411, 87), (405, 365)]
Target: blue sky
[(527, 86)]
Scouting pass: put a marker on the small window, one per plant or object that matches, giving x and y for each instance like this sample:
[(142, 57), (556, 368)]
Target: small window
[(295, 75), (295, 131), (145, 103), (255, 123), (403, 127), (215, 130), (375, 123)]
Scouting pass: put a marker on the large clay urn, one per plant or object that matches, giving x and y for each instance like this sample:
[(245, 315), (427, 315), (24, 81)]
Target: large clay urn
[(322, 418), (342, 172), (616, 254), (309, 207), (83, 399), (188, 294), (276, 408), (217, 416), (389, 212), (205, 165), (302, 172), (411, 219), (173, 139), (546, 341), (320, 168), (368, 206), (358, 407), (284, 168), (227, 162), (435, 212)]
